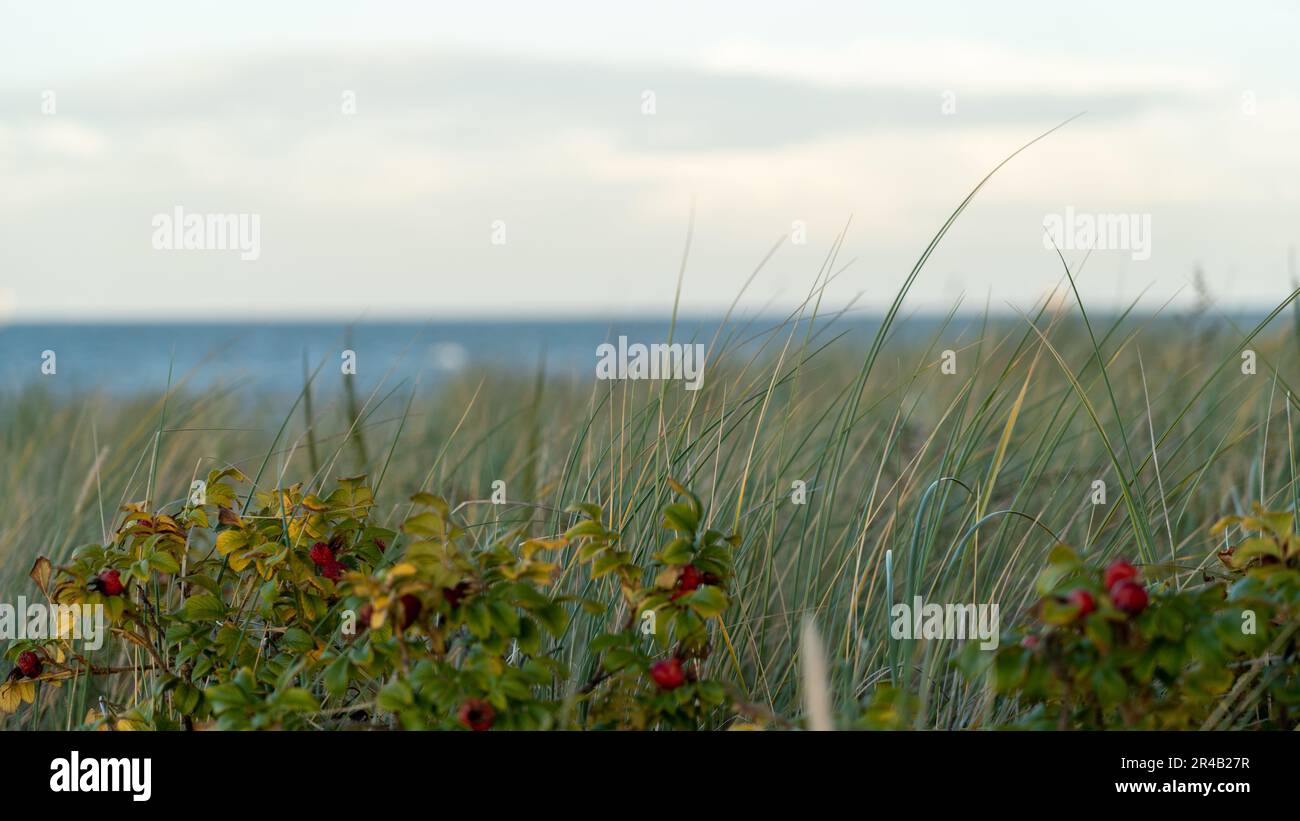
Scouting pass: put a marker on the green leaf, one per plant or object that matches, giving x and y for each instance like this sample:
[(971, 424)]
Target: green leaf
[(1108, 685), (223, 696), (298, 700), (479, 619), (395, 697), (588, 509), (589, 528), (298, 640), (707, 600), (140, 569), (336, 677), (186, 697), (1254, 548), (616, 660), (711, 692), (607, 562), (205, 607), (504, 618), (425, 524), (529, 637), (1051, 577), (681, 518), (1063, 554), (1009, 668), (554, 618), (677, 552), (164, 563)]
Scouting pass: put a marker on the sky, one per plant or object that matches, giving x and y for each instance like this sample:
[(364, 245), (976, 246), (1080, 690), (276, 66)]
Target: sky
[(545, 160)]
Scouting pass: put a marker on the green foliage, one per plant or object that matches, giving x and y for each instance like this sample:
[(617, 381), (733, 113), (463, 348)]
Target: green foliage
[(298, 612), (1217, 654)]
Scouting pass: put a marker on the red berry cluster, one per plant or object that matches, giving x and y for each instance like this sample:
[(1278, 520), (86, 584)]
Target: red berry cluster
[(29, 664), (1125, 591), (322, 555)]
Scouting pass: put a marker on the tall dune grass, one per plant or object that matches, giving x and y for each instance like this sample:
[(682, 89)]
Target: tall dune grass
[(969, 478)]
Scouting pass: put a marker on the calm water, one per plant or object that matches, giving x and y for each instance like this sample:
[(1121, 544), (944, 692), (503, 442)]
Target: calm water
[(123, 358), (268, 356)]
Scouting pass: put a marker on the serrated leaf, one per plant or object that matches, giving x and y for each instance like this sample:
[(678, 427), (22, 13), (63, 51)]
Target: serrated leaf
[(164, 563), (228, 541), (205, 607)]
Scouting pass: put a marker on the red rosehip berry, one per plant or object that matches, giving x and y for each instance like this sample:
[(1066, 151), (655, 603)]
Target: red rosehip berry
[(1030, 642), (688, 581), (477, 715), (668, 674), (411, 607), (1083, 601), (1118, 571), (333, 571), (1129, 596), (109, 583), (29, 664), (690, 578), (321, 555)]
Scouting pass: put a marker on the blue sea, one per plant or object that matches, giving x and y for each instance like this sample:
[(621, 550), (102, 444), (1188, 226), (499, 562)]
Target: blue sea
[(270, 357), (123, 358)]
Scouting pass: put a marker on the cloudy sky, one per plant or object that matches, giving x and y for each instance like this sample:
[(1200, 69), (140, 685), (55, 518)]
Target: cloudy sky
[(514, 158)]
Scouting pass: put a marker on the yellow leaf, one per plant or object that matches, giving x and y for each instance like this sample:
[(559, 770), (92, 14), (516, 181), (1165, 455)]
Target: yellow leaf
[(241, 560), (9, 697), (228, 541), (312, 502), (41, 574), (14, 693), (235, 473), (531, 546), (401, 569), (1223, 524)]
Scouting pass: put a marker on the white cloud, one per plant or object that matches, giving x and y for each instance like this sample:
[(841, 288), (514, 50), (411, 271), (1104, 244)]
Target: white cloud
[(390, 209), (960, 64)]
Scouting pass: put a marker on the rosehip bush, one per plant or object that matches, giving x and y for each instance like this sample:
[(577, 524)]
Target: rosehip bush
[(293, 610), (687, 594), (1119, 648)]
